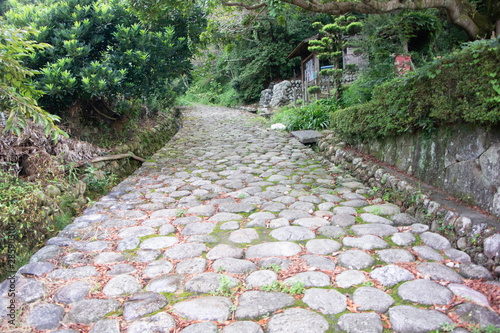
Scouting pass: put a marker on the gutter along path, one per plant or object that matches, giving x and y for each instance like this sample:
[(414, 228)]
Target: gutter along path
[(232, 227)]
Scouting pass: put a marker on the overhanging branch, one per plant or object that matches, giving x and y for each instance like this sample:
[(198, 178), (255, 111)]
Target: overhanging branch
[(244, 5)]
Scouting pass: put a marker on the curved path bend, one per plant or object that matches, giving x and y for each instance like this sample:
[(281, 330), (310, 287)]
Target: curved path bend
[(232, 227)]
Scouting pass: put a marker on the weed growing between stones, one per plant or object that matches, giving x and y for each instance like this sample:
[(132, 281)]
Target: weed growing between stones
[(224, 288), (274, 267)]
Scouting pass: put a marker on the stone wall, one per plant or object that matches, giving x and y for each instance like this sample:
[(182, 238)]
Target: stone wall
[(467, 230), (143, 144), (464, 161)]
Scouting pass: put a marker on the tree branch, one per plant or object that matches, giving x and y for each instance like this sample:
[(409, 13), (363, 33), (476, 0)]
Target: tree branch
[(459, 12), (244, 5)]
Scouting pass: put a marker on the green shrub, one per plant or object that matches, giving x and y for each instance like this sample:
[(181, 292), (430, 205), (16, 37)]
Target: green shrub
[(312, 116), (23, 223), (462, 88)]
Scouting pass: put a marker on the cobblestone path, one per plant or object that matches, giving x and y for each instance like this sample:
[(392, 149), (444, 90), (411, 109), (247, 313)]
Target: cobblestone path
[(232, 227)]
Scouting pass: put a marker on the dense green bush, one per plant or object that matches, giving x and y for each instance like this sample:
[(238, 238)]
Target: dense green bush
[(102, 53), (312, 116), (463, 87)]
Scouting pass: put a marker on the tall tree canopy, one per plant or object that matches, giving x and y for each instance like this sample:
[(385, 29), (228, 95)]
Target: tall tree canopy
[(478, 18)]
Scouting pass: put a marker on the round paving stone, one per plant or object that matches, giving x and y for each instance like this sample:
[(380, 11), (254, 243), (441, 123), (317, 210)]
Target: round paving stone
[(231, 225), (469, 293), (160, 322), (253, 304), (297, 321), (404, 219), (377, 229), (425, 292), (292, 233), (322, 246), (311, 222), (215, 308), (260, 278), (234, 266), (472, 271), (419, 228), (128, 243), (438, 272), (280, 249), (457, 255), (166, 229), (326, 301), (332, 232), (73, 273), (185, 251), (45, 317), (106, 325), (199, 228), (237, 208), (244, 236), (121, 285), (372, 299), (271, 263), (121, 269), (435, 241), (344, 211), (391, 275), (89, 311), (30, 291), (224, 251), (73, 292), (153, 223), (319, 262), (391, 256), (208, 282), (355, 259), (166, 283), (403, 238), (108, 258), (141, 304), (372, 218), (224, 217), (349, 278), (476, 314), (243, 327), (407, 319), (361, 323), (383, 209), (158, 268), (343, 220), (36, 268), (139, 231), (309, 279), (202, 210), (191, 266), (157, 243), (427, 253), (367, 242), (278, 223)]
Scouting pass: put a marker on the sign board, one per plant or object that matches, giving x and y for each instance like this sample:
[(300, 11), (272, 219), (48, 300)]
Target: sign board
[(309, 72)]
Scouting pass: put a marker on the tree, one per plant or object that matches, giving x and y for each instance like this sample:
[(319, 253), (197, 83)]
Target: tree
[(103, 53), (18, 96), (333, 40), (478, 18)]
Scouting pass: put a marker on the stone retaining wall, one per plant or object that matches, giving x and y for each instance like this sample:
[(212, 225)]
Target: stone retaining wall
[(143, 144), (479, 238)]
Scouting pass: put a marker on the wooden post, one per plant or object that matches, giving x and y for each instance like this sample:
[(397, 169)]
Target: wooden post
[(306, 95), (294, 97)]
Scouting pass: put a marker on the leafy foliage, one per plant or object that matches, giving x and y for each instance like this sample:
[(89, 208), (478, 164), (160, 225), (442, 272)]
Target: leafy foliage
[(463, 87), (18, 97), (254, 54), (333, 39), (102, 52), (312, 116)]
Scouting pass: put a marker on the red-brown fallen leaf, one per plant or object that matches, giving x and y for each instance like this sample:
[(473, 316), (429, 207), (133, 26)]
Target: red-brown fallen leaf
[(386, 323), (351, 306)]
